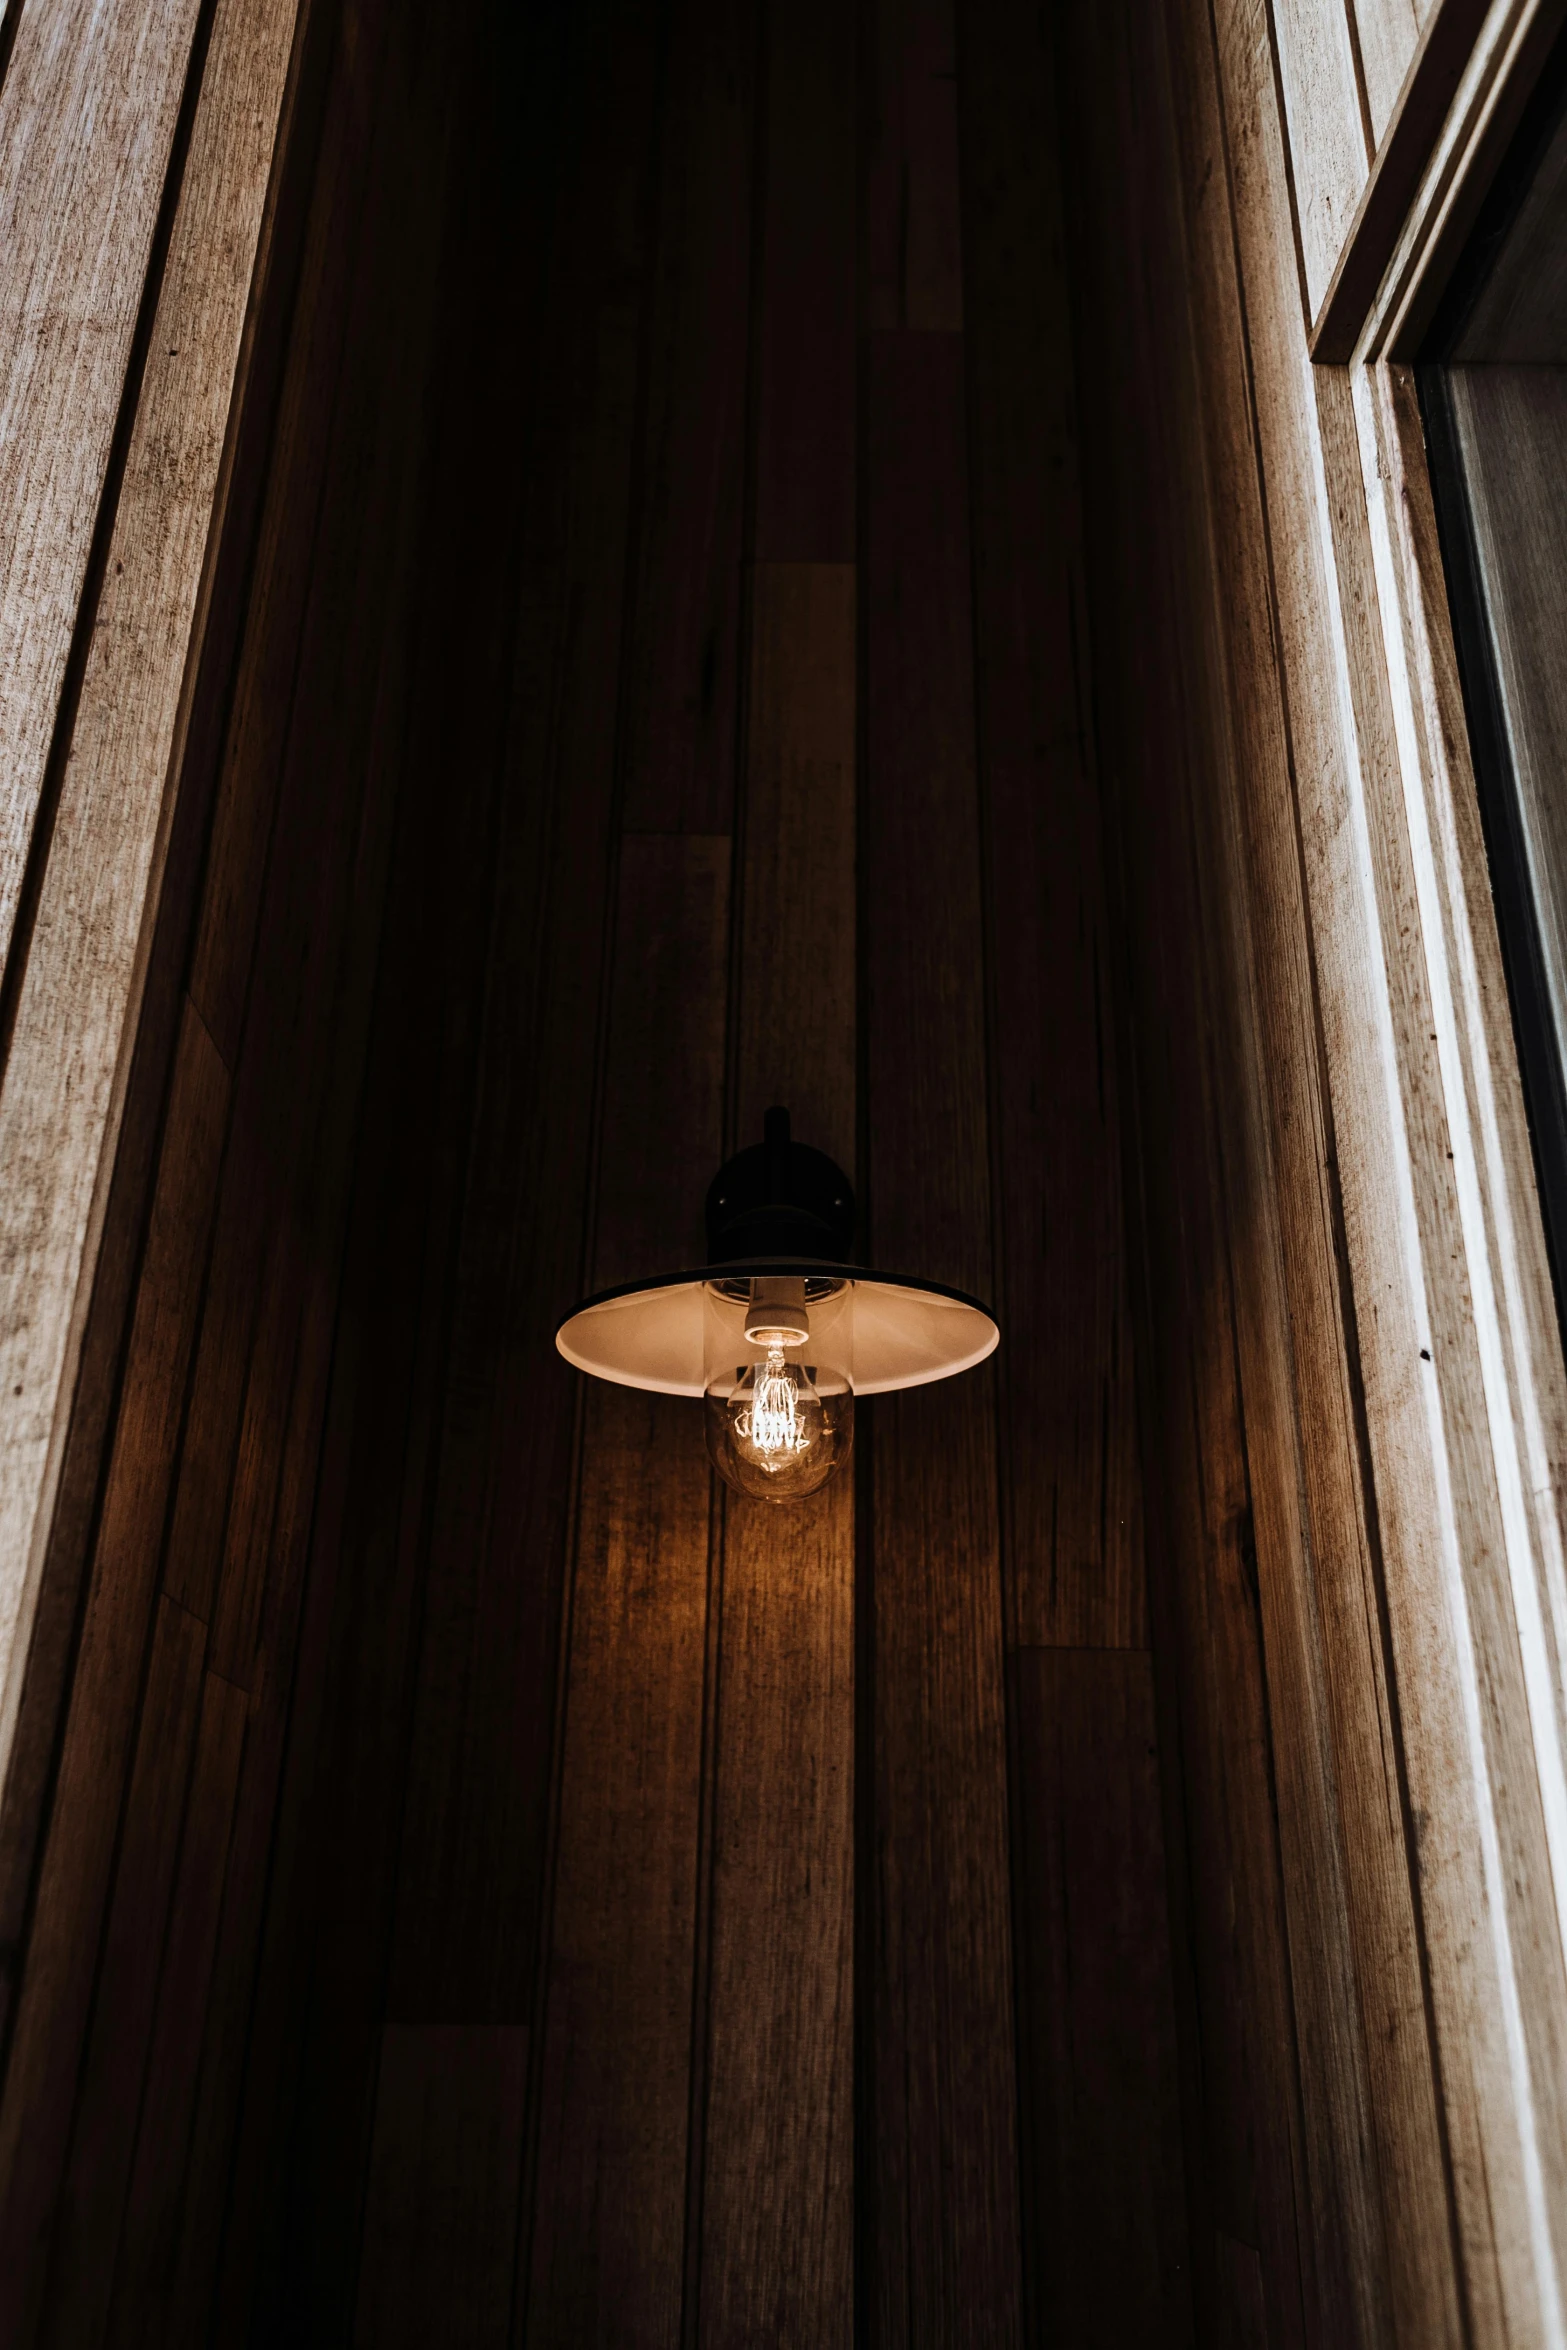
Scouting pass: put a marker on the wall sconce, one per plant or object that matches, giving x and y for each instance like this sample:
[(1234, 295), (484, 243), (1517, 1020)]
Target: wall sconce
[(778, 1332)]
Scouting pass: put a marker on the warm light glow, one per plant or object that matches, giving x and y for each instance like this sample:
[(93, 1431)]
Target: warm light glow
[(775, 1416), (780, 1403)]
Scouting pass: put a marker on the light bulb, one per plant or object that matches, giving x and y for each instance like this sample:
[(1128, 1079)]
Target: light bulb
[(773, 1434)]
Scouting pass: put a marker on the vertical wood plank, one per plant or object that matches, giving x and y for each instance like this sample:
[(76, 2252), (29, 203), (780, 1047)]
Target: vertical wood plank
[(87, 119), (445, 2170), (93, 175), (609, 2229), (943, 2080), (475, 1825), (86, 2235), (1240, 2093), (1072, 1483), (1108, 2203), (795, 954), (52, 2008), (777, 2211), (152, 2208), (1330, 140), (1387, 31), (685, 652), (778, 2157), (806, 329), (914, 257), (772, 2226)]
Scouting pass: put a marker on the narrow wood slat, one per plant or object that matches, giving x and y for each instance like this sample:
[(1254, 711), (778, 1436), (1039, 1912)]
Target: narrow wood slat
[(609, 2223), (914, 258), (1073, 1497), (921, 891), (305, 2138), (152, 2209), (259, 1589), (1387, 33), (87, 2230), (440, 2226), (88, 115), (662, 1128), (1330, 144), (1364, 2058), (1404, 145), (777, 2155), (475, 1826), (795, 957), (278, 1681), (87, 121), (807, 296), (1440, 1519), (944, 2255), (1108, 2215), (777, 2210), (685, 646), (73, 1885), (302, 893), (1240, 2094)]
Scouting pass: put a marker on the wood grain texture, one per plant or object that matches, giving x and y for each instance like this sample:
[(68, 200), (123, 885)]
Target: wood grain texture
[(88, 2230), (476, 1819), (445, 2172), (1239, 2086), (51, 2011), (75, 259), (1072, 1506), (1342, 1805), (608, 2250), (608, 2256), (1501, 52), (685, 646), (1392, 1125), (86, 127), (807, 294), (153, 2206), (944, 2252), (795, 952), (664, 1078), (1435, 66), (1387, 33), (914, 257), (1331, 141), (777, 2206), (1108, 2212)]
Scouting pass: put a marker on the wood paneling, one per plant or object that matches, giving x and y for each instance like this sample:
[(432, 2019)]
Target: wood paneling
[(685, 646), (944, 2250), (609, 2232), (93, 162), (1071, 1482), (88, 126), (1108, 2207), (440, 2230), (684, 667), (1331, 141), (1405, 138)]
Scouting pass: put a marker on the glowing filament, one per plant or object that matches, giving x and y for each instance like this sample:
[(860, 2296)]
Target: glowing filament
[(771, 1422)]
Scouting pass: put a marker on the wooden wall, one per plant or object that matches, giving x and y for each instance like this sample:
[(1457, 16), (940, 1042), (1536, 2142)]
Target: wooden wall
[(482, 1877), (1346, 1322), (776, 554)]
